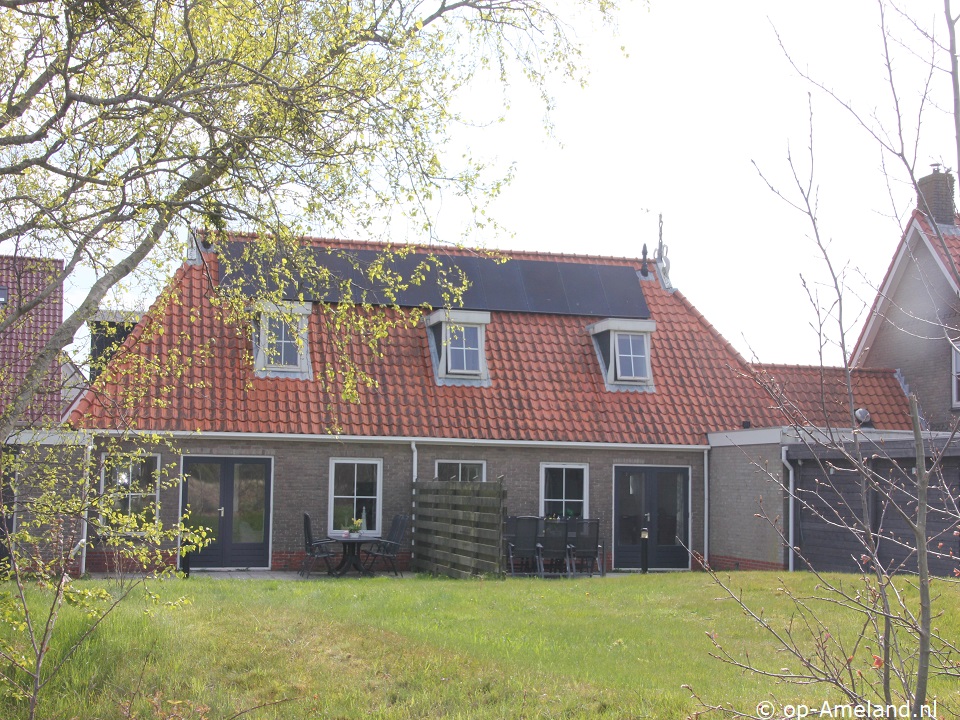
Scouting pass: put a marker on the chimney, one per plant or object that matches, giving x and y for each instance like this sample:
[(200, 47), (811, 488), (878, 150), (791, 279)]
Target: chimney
[(937, 189)]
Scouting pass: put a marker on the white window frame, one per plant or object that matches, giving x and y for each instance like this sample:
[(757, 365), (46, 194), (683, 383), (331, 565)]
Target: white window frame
[(544, 466), (460, 464), (334, 461), (112, 459), (455, 342), (955, 355), (451, 321), (622, 376), (265, 362), (607, 332)]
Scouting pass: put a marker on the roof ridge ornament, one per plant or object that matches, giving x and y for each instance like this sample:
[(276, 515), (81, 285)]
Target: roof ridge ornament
[(663, 262)]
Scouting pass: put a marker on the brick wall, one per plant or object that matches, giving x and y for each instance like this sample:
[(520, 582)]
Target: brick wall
[(739, 480), (302, 472)]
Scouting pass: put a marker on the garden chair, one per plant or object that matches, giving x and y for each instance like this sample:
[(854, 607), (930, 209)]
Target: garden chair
[(315, 549), (586, 546), (554, 546), (522, 548), (388, 548)]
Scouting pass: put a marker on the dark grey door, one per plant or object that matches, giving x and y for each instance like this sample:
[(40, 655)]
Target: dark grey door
[(656, 500), (230, 497)]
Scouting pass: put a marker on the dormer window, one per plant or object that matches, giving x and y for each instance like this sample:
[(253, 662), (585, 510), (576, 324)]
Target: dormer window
[(463, 349), (458, 346), (623, 348), (281, 343), (281, 347), (632, 357)]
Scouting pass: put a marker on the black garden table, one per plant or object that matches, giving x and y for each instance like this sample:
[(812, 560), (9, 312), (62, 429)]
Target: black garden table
[(351, 553)]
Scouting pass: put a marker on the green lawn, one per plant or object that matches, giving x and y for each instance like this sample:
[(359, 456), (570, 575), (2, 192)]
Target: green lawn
[(619, 647)]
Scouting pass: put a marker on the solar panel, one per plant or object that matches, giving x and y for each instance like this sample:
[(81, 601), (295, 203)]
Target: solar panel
[(537, 286)]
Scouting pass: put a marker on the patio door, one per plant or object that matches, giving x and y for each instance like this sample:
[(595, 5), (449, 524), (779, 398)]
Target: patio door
[(230, 497), (655, 499)]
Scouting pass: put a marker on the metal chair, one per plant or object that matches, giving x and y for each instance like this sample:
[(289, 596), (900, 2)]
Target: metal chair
[(522, 548), (553, 547), (315, 549), (387, 548), (586, 545)]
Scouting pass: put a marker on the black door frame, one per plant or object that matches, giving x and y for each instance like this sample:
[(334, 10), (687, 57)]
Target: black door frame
[(649, 474), (227, 463)]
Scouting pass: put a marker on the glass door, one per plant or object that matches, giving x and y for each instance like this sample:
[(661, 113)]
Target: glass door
[(231, 498), (654, 500)]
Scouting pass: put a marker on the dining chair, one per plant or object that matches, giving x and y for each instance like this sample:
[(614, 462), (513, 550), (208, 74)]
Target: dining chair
[(554, 546), (388, 548), (586, 545), (315, 549), (522, 548)]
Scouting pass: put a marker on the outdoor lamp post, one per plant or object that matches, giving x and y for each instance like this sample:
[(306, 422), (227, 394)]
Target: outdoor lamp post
[(644, 542)]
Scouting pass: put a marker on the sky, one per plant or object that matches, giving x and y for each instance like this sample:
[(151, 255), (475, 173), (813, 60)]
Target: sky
[(679, 125)]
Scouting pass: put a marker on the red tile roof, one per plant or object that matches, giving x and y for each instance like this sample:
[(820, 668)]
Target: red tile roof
[(545, 379), (24, 278), (818, 396)]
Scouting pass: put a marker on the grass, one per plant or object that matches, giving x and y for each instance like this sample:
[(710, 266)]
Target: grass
[(426, 648)]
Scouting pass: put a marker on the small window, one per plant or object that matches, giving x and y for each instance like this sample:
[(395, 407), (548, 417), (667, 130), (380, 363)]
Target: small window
[(3, 295), (282, 342), (631, 356), (463, 349), (564, 491), (458, 346), (459, 471), (133, 482), (355, 493), (623, 348)]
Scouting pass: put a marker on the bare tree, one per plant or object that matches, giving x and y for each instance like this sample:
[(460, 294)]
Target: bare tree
[(888, 645)]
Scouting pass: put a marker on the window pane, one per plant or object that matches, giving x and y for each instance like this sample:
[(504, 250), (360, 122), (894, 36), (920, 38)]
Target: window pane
[(203, 497), (471, 472), (448, 471), (367, 509), (249, 506), (573, 509), (553, 487), (343, 479), (342, 513), (574, 487), (553, 507), (366, 480)]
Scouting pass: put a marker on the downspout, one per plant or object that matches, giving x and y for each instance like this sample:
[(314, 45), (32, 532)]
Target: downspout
[(413, 449), (791, 484), (87, 454), (706, 507)]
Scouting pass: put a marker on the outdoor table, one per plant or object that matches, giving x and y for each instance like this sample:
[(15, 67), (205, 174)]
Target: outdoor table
[(351, 553)]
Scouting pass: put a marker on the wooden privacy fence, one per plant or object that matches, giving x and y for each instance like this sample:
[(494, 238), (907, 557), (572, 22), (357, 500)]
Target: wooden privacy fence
[(458, 527)]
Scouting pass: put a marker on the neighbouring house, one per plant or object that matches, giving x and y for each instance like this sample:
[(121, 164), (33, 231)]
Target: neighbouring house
[(799, 476), (31, 309), (914, 322), (36, 451)]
